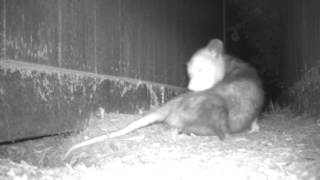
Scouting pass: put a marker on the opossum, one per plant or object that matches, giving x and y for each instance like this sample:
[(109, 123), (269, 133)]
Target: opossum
[(200, 113), (226, 104), (231, 78)]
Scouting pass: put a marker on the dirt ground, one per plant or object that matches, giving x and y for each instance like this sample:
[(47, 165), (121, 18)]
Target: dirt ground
[(286, 147)]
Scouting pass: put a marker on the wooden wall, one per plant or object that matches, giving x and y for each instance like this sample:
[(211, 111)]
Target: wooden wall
[(302, 55), (302, 38), (142, 39), (60, 60)]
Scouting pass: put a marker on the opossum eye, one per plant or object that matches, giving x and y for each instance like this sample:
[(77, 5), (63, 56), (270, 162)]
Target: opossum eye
[(196, 71)]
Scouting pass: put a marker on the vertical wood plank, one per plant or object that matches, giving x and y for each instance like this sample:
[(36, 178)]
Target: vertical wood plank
[(77, 31), (31, 31), (2, 28), (107, 37)]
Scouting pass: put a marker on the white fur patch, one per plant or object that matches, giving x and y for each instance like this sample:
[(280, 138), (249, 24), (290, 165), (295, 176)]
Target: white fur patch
[(205, 69)]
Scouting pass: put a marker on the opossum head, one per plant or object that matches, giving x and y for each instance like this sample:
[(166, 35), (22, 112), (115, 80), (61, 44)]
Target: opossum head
[(207, 66)]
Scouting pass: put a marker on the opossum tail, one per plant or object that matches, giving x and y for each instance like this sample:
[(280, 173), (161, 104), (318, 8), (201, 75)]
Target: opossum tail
[(144, 121)]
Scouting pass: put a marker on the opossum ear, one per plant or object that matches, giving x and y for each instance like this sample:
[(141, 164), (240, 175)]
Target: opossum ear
[(215, 46)]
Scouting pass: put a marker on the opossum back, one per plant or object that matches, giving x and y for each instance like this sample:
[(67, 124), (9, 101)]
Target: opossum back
[(165, 110), (244, 98)]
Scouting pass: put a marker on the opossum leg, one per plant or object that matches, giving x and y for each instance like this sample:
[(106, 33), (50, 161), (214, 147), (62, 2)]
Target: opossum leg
[(254, 127), (176, 134)]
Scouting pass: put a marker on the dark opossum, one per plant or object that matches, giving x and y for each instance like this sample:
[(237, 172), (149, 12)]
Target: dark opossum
[(226, 106), (242, 90), (199, 113)]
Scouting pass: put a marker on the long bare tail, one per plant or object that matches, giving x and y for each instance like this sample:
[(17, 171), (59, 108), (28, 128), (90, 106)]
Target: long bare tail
[(144, 121)]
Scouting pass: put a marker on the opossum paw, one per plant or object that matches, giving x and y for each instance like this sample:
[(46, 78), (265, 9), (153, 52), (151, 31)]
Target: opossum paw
[(254, 127), (221, 136), (176, 133)]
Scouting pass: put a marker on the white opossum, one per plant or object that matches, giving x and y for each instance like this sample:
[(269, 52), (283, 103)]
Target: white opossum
[(228, 101)]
